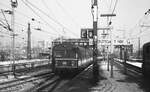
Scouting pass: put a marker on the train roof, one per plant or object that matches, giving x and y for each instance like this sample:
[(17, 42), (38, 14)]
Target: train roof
[(67, 46)]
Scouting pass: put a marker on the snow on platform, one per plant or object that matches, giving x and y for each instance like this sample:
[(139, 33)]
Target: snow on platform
[(138, 64)]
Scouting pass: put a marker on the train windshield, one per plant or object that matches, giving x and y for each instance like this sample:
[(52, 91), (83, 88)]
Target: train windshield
[(71, 54), (65, 54), (60, 53)]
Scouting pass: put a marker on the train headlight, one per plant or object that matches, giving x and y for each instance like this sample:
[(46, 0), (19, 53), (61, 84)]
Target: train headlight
[(73, 63), (64, 63)]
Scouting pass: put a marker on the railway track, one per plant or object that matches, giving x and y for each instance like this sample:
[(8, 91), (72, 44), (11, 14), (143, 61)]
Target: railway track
[(21, 71), (46, 85), (52, 84), (41, 82), (131, 68), (14, 84)]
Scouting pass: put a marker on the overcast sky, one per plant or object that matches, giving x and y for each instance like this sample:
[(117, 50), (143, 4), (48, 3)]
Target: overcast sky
[(67, 17)]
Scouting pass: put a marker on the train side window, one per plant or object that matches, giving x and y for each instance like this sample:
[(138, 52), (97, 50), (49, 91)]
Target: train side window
[(59, 53)]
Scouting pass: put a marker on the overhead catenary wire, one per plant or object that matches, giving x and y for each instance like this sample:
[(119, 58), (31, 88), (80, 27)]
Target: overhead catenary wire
[(31, 28), (54, 20), (111, 4), (16, 23), (43, 12), (49, 9), (8, 26), (47, 24), (3, 26), (138, 25), (114, 6), (18, 12), (45, 5), (7, 34), (26, 17), (3, 23), (116, 2), (66, 12), (39, 16)]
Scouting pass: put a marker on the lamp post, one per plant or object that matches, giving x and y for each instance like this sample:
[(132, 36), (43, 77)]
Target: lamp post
[(14, 5)]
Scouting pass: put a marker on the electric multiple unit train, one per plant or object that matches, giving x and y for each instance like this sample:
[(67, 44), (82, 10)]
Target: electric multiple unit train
[(67, 57)]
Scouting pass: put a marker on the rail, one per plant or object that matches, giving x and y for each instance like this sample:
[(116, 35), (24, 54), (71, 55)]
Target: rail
[(136, 66), (22, 65)]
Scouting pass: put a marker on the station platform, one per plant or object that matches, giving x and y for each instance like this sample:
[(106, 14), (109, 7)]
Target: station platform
[(120, 82), (134, 63)]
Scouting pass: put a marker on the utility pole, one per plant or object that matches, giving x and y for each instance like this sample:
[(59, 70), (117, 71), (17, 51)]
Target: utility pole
[(95, 19), (29, 42), (109, 55), (14, 4)]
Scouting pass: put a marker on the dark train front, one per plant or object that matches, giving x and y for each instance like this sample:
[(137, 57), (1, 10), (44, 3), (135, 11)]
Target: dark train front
[(67, 57)]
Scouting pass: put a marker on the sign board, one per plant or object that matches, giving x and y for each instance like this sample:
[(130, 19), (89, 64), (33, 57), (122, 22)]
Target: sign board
[(90, 33), (114, 42), (104, 41), (121, 42), (87, 33), (83, 33)]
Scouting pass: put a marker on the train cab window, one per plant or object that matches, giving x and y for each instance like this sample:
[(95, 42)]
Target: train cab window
[(71, 54), (59, 53)]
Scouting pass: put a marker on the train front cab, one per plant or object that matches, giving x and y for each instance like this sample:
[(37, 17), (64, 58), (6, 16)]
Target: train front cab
[(146, 59), (64, 59)]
